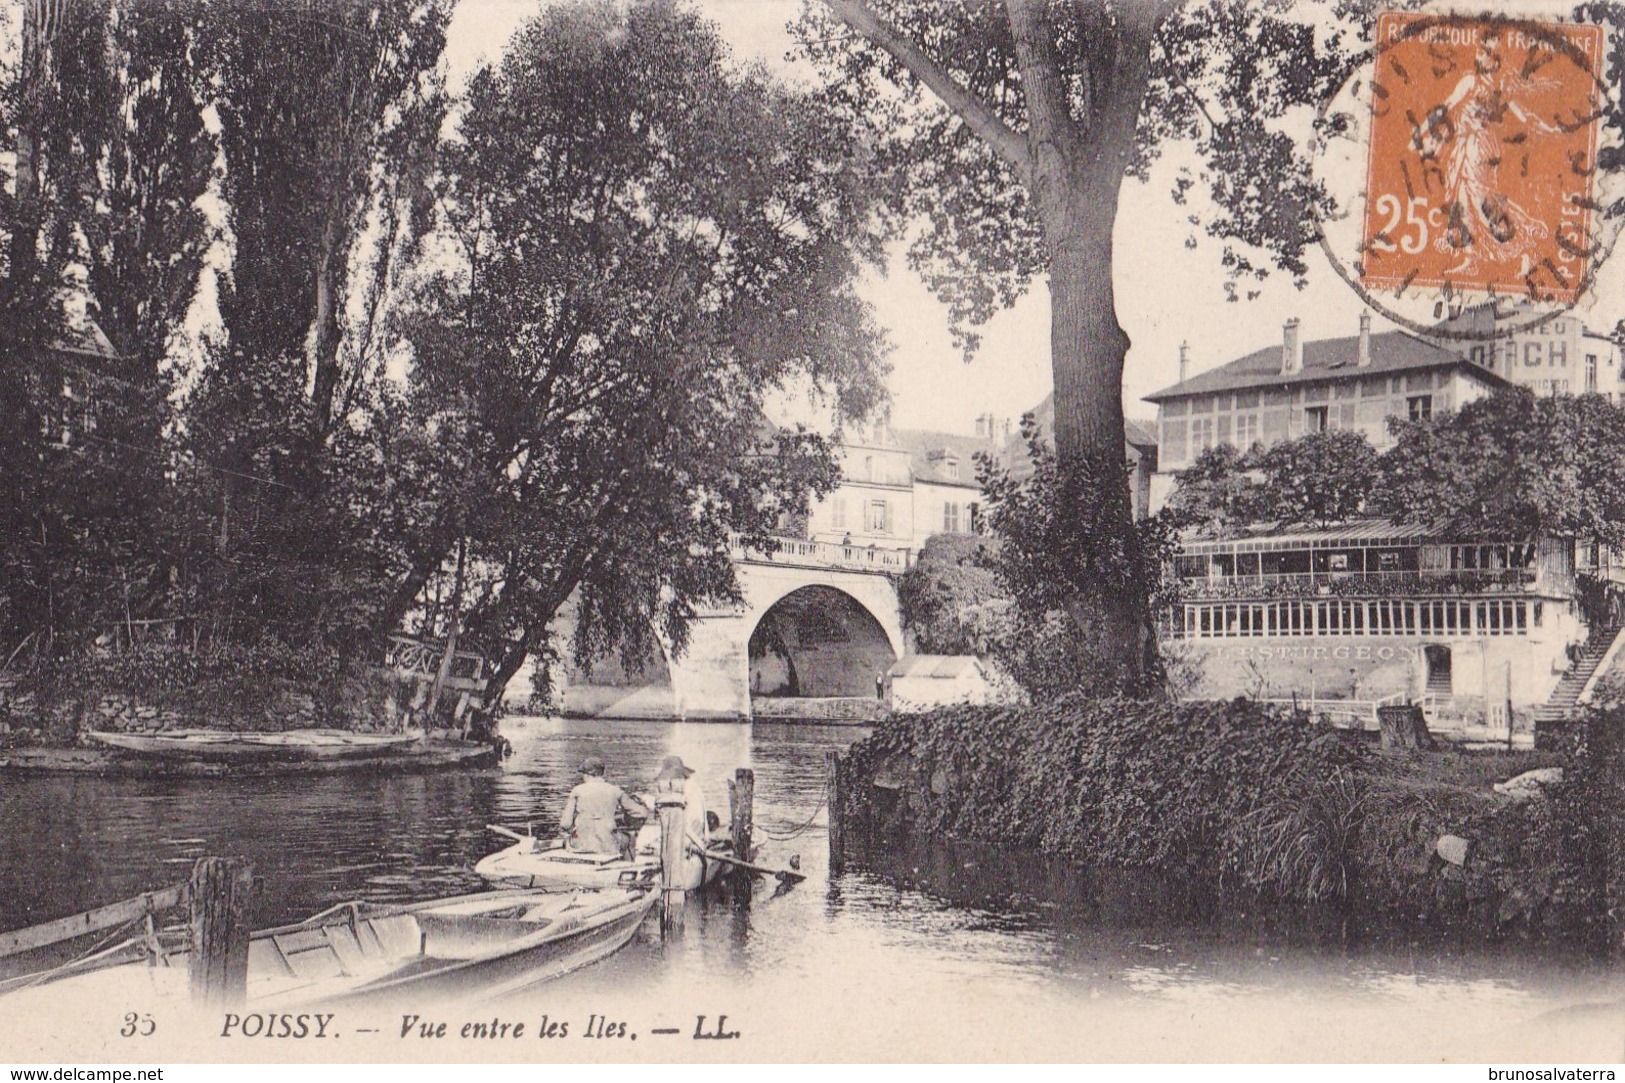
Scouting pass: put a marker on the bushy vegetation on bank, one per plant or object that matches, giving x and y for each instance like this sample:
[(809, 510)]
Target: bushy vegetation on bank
[(1249, 800), (52, 701)]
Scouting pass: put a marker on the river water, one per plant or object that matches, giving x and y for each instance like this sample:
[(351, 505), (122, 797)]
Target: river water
[(949, 953)]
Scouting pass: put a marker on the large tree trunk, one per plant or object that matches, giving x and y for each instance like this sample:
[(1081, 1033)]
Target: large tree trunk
[(1077, 170)]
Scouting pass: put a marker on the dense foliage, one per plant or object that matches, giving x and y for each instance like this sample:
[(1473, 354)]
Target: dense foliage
[(1512, 465), (1244, 798), (1319, 479), (652, 239), (1508, 465), (950, 596), (460, 361), (1066, 569)]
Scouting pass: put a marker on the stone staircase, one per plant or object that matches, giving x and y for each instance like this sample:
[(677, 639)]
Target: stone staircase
[(1559, 706)]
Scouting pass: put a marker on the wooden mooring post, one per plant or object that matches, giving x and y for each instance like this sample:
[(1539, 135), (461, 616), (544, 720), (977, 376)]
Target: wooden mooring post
[(837, 829), (670, 806), (217, 965), (742, 813)]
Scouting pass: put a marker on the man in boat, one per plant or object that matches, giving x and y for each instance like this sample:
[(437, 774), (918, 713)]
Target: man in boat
[(588, 820)]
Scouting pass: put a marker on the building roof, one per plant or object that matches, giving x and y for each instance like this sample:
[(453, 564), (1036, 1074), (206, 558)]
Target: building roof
[(1370, 532), (930, 452), (944, 667), (1137, 433), (1325, 359)]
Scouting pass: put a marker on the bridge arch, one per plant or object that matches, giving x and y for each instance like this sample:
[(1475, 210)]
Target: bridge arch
[(818, 640)]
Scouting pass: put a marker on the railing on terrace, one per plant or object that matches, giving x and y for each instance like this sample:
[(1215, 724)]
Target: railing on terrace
[(1353, 584), (799, 551), (1352, 713)]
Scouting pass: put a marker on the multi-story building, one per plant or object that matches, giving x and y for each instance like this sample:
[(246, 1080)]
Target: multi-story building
[(1369, 613), (874, 504), (947, 496), (1479, 631), (1559, 356), (1282, 392)]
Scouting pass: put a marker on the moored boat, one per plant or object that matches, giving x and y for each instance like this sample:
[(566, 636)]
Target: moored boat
[(542, 863), (307, 744), (476, 947)]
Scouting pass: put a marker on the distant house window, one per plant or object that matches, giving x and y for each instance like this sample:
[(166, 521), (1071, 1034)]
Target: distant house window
[(869, 468), (1246, 430), (974, 520), (1420, 407), (1591, 372), (1315, 419), (1478, 355), (950, 467), (1201, 435), (950, 517), (879, 520)]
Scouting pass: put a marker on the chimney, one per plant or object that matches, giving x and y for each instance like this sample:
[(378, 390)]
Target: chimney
[(981, 426), (1184, 361), (1291, 348), (1365, 340)]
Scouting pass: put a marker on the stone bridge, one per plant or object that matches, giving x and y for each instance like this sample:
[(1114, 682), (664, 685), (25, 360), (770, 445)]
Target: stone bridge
[(818, 620)]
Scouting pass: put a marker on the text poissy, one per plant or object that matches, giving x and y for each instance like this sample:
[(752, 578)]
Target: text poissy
[(261, 1025)]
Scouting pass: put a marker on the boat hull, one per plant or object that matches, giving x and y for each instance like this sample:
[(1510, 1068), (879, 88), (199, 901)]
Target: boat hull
[(219, 745), (469, 949), (522, 866)]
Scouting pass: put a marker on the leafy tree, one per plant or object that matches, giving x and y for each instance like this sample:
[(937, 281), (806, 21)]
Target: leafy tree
[(1512, 465), (650, 240), (951, 597), (118, 157), (329, 111), (1046, 646), (1321, 478), (329, 118), (1217, 492), (1041, 108)]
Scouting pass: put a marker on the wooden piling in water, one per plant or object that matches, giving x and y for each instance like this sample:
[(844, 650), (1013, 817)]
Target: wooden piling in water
[(742, 813), (833, 802), (217, 964), (670, 806)]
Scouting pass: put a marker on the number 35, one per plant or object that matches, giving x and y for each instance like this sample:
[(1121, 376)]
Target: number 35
[(1411, 243), (134, 1024)]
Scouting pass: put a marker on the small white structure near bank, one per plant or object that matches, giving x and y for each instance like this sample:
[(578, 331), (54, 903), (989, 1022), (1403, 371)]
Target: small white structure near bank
[(922, 681)]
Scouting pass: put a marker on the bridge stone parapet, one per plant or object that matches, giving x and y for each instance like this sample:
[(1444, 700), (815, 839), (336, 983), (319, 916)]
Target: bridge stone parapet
[(828, 613), (801, 553)]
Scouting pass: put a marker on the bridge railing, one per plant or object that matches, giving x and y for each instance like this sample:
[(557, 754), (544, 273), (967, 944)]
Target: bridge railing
[(799, 551)]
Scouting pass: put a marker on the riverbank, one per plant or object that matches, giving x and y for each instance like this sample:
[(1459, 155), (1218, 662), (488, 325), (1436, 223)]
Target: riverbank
[(108, 763), (1244, 802)]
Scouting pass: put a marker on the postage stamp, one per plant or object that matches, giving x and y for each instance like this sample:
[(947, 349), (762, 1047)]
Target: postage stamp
[(1482, 137), (1482, 153)]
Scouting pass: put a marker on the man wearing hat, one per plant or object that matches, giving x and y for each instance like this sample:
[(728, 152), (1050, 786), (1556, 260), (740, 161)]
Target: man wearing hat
[(588, 819)]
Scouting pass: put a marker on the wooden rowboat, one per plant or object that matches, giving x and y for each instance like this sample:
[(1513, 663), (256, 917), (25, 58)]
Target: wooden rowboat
[(469, 948), (543, 863), (310, 744)]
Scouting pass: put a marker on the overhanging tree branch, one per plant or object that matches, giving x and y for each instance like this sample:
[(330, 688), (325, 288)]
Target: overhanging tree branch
[(1006, 142)]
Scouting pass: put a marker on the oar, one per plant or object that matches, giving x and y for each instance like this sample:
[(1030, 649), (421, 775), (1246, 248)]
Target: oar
[(788, 876), (507, 833)]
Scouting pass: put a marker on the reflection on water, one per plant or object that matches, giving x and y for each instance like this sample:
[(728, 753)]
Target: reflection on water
[(947, 951)]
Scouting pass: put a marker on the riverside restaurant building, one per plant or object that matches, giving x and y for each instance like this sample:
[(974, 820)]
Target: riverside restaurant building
[(1348, 618)]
